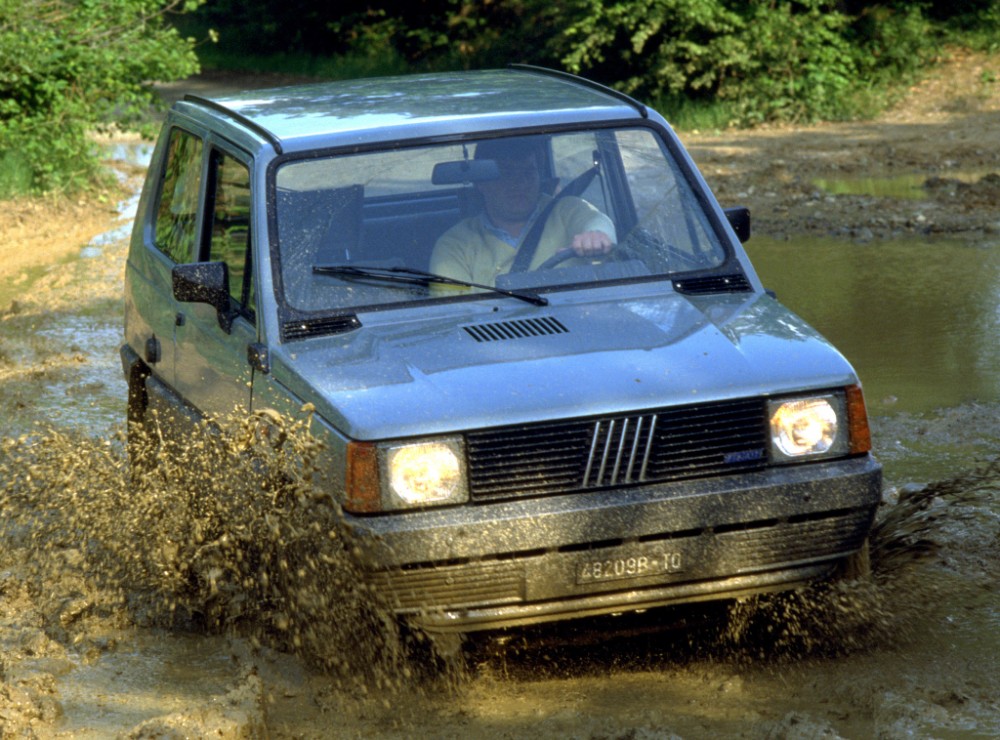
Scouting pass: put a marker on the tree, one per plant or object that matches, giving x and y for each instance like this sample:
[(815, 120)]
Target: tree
[(769, 59), (70, 67)]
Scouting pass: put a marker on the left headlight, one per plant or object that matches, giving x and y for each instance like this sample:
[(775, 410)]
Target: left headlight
[(405, 475), (809, 426)]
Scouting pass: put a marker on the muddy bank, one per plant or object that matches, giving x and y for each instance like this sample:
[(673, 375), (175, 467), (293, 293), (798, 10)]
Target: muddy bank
[(929, 166)]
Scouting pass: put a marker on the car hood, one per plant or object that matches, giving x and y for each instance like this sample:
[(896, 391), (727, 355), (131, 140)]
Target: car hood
[(391, 379)]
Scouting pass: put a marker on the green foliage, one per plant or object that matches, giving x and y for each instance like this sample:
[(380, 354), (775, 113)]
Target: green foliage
[(752, 60), (424, 34), (341, 67), (653, 47), (799, 65), (795, 60), (15, 174), (453, 34), (893, 42), (975, 23), (690, 114), (70, 67)]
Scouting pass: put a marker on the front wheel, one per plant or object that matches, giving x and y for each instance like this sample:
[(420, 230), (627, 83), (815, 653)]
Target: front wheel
[(141, 437), (858, 566)]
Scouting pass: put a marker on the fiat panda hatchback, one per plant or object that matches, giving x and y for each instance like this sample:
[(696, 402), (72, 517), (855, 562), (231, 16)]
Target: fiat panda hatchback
[(585, 404)]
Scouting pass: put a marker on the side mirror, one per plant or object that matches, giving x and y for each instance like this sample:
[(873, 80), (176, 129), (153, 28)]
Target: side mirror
[(204, 282), (739, 219)]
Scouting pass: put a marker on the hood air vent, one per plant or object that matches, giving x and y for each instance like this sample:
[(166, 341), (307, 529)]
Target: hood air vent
[(518, 329)]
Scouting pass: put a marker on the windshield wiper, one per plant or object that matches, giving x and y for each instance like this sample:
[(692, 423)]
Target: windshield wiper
[(412, 275)]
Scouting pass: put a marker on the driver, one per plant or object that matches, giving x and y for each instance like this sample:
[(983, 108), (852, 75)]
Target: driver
[(481, 247)]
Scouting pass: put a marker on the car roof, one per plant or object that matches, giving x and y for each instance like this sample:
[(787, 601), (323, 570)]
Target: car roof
[(374, 110)]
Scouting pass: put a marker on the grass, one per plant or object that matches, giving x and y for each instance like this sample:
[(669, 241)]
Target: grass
[(685, 114)]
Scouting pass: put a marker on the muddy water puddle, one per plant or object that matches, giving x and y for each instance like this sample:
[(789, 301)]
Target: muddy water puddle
[(153, 674), (123, 612), (120, 616), (919, 320)]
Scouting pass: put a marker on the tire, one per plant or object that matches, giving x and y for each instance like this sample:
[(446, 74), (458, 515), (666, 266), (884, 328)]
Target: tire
[(858, 566), (140, 435)]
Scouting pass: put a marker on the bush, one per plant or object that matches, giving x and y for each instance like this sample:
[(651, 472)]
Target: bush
[(70, 67), (764, 60), (799, 65)]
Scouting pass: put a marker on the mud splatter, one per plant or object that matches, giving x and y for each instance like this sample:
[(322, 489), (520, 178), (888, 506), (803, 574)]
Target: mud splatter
[(226, 536), (231, 537)]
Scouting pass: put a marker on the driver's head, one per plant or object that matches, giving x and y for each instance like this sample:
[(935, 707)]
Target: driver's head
[(512, 198)]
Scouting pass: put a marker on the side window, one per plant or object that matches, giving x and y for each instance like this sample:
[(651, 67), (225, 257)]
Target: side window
[(178, 207), (229, 227)]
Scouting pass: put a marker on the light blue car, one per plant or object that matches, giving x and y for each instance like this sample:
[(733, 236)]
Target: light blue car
[(547, 380)]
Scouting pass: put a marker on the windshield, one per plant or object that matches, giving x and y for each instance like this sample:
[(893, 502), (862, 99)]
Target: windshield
[(518, 213)]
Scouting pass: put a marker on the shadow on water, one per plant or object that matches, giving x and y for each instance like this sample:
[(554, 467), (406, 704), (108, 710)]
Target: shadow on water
[(919, 319)]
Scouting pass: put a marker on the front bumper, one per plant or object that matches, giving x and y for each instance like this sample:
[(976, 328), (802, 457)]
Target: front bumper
[(528, 561)]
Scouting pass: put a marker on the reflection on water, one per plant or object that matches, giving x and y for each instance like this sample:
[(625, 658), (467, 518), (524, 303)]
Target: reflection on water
[(919, 319), (912, 186)]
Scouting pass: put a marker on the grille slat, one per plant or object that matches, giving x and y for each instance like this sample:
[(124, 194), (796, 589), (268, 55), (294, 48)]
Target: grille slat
[(625, 449)]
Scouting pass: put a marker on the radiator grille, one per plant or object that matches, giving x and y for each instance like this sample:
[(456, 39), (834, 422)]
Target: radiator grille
[(628, 449)]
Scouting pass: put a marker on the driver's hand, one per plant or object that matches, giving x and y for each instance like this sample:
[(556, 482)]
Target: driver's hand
[(588, 243)]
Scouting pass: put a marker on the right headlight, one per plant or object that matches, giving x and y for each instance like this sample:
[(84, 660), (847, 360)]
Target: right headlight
[(818, 425), (405, 475)]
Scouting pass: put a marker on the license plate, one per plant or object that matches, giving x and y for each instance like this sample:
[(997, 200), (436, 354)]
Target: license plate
[(620, 566)]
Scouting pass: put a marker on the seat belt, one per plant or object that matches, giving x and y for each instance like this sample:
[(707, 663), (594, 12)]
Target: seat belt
[(526, 252), (529, 245)]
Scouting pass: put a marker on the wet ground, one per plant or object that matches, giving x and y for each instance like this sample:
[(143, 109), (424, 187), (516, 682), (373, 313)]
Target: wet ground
[(128, 610)]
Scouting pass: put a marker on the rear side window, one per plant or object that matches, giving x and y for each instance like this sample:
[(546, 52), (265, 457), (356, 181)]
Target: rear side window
[(177, 211)]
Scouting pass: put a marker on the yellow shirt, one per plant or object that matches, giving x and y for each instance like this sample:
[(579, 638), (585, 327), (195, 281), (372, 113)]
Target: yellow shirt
[(470, 250)]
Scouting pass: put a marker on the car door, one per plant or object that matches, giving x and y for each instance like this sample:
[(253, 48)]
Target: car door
[(211, 369), (165, 236)]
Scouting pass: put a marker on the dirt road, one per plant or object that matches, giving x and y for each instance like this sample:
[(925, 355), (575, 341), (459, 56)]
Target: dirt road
[(101, 633)]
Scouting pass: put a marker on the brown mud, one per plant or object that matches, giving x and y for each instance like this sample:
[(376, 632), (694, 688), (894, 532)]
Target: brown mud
[(943, 137), (216, 597)]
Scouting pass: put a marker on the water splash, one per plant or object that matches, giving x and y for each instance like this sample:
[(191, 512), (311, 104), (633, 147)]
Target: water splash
[(227, 536)]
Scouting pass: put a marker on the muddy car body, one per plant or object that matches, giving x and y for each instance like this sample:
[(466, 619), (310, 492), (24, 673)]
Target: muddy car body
[(606, 434)]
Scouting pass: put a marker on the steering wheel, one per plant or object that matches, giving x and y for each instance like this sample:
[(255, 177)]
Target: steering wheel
[(567, 253), (556, 259)]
